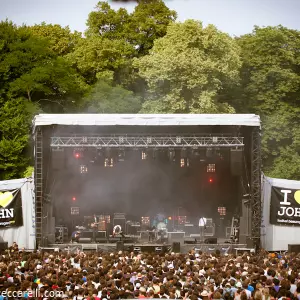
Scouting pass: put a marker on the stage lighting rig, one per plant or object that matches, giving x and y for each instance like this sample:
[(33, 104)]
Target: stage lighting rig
[(83, 169), (144, 155), (78, 153), (211, 168)]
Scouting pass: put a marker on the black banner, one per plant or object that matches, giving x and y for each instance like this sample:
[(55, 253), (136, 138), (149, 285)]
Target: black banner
[(285, 207), (11, 208)]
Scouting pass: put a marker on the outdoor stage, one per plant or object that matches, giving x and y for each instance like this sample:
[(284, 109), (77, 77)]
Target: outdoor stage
[(140, 171)]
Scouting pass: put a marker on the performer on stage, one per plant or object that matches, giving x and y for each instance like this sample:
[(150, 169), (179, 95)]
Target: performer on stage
[(94, 226), (75, 236), (202, 227)]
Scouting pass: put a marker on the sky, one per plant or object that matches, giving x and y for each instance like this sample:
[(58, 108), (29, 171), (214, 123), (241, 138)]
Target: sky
[(235, 17)]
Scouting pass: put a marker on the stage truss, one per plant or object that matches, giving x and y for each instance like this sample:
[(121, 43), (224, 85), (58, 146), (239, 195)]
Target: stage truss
[(256, 204), (141, 141)]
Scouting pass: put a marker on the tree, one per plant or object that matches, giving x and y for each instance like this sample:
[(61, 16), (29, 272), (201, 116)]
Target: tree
[(271, 88), (29, 68), (148, 22), (96, 57), (15, 121), (105, 98), (61, 40), (187, 69)]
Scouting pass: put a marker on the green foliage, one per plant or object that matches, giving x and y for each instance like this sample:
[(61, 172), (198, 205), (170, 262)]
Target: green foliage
[(61, 40), (28, 172), (148, 22), (96, 55), (105, 98), (14, 136), (271, 87), (187, 68)]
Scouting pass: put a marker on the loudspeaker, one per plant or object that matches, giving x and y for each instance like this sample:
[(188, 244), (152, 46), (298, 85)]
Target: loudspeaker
[(84, 240), (3, 246), (236, 162), (120, 246), (190, 241), (211, 240), (176, 247), (101, 240), (87, 234), (294, 248), (58, 159)]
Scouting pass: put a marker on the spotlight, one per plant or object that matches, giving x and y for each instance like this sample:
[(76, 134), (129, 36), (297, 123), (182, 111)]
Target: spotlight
[(74, 199), (210, 180), (83, 169), (77, 155)]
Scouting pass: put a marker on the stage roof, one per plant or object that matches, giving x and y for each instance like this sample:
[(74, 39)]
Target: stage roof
[(147, 120)]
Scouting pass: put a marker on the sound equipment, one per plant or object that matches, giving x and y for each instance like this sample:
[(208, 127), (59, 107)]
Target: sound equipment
[(190, 241), (84, 240), (176, 236), (3, 246), (176, 247), (236, 162), (61, 234), (294, 248), (101, 240), (151, 248), (211, 240), (58, 159)]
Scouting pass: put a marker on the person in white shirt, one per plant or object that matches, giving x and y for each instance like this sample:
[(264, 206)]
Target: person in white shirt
[(202, 227)]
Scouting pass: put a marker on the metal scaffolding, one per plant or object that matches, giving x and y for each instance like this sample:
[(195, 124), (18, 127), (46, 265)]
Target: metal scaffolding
[(38, 178), (144, 141), (256, 205)]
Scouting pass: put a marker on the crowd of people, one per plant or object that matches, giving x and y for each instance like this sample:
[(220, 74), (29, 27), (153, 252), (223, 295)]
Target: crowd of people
[(129, 275)]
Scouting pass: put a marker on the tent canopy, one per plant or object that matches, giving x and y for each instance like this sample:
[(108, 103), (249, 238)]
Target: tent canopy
[(147, 120)]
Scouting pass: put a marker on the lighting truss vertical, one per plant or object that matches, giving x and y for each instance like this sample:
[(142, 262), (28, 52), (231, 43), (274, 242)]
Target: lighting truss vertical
[(38, 182), (256, 205)]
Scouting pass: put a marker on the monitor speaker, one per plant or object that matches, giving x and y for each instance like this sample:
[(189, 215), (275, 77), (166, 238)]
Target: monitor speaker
[(236, 162), (176, 247), (211, 240)]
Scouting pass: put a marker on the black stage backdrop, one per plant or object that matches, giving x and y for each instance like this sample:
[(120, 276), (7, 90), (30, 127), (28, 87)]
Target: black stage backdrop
[(11, 208), (285, 207)]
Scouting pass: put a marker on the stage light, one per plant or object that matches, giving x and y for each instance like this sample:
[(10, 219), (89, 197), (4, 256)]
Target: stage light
[(144, 155), (74, 199), (182, 163), (77, 155), (170, 218), (211, 168), (210, 180), (83, 169)]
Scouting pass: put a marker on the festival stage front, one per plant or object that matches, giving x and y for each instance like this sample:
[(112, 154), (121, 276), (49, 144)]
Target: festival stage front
[(163, 179), (151, 248)]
